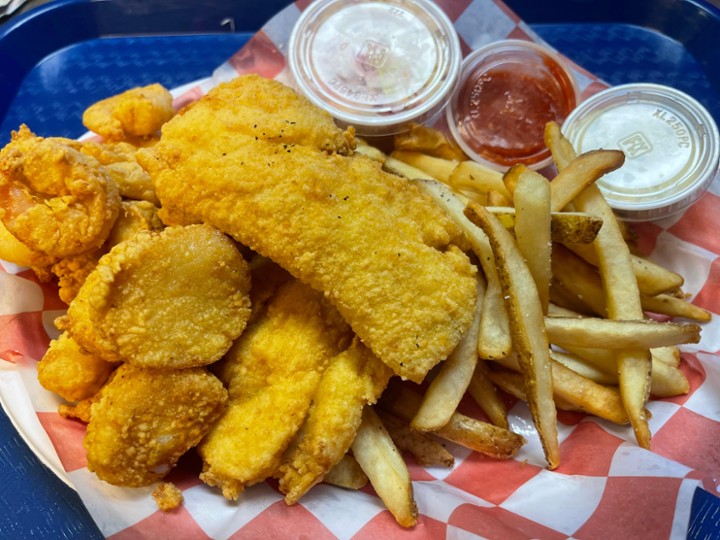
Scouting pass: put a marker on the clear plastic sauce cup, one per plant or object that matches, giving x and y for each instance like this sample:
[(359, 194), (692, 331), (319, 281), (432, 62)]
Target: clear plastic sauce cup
[(670, 141), (377, 65)]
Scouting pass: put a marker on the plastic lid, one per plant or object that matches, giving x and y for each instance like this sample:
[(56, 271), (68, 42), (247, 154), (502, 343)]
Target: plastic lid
[(375, 64), (670, 141), (508, 91)]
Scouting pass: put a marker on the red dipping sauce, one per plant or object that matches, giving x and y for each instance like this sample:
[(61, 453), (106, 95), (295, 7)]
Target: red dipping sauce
[(508, 91)]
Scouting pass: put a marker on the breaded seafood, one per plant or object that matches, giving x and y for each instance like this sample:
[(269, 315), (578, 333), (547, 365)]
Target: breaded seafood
[(265, 166), (135, 113), (53, 198), (353, 379), (272, 373), (171, 299), (70, 372), (146, 419)]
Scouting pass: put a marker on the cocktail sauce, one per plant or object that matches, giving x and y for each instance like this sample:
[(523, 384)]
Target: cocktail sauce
[(508, 92)]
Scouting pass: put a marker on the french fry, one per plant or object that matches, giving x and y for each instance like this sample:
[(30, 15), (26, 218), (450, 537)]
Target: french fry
[(426, 450), (615, 265), (485, 394), (582, 172), (526, 327), (478, 178), (428, 140), (619, 334), (673, 306), (453, 377), (511, 381), (565, 227), (475, 434), (532, 229), (381, 461), (437, 168), (580, 392), (347, 474), (667, 355), (652, 278), (584, 367), (362, 147)]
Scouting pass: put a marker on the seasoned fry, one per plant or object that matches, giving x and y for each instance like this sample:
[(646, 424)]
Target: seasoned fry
[(452, 379), (381, 461), (526, 327)]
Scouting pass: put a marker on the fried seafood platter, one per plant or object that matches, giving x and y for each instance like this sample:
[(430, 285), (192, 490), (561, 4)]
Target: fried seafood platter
[(248, 282)]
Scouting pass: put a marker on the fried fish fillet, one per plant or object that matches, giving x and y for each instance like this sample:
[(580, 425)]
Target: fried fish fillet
[(265, 166), (271, 374), (171, 299), (353, 379)]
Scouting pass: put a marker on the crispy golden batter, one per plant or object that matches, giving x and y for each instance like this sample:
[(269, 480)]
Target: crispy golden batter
[(271, 373), (353, 379), (167, 496), (262, 164), (173, 299), (147, 418), (70, 372), (138, 112), (55, 199)]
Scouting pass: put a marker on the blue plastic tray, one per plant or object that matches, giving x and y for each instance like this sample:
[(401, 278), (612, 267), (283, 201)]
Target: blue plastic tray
[(57, 59)]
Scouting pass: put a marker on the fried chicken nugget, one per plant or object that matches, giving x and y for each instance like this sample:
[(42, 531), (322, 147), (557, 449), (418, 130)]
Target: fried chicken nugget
[(146, 419), (260, 163), (271, 374), (138, 112), (70, 372), (53, 198), (171, 299)]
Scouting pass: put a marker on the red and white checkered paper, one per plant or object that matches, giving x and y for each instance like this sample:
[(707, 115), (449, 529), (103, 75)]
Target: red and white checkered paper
[(606, 486)]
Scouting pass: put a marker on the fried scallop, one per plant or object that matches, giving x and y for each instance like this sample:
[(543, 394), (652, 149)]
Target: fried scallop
[(146, 419), (171, 299)]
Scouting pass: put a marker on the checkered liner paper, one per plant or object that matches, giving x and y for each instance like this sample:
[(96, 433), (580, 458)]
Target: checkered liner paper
[(605, 487)]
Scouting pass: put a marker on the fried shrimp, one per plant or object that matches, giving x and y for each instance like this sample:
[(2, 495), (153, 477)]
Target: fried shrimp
[(173, 299), (55, 200), (138, 112), (146, 419)]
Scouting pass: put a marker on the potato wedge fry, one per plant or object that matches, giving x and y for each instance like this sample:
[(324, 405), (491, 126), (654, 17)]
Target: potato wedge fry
[(485, 394), (526, 327), (532, 229), (453, 377), (437, 168), (618, 334), (582, 172), (566, 227), (347, 474), (426, 450), (475, 434), (382, 462)]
